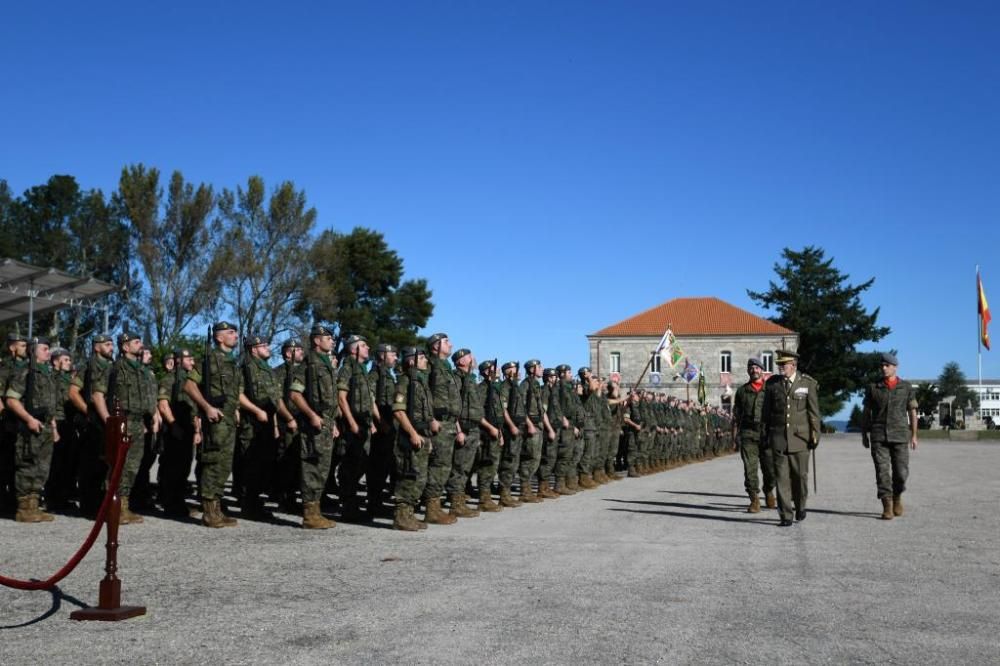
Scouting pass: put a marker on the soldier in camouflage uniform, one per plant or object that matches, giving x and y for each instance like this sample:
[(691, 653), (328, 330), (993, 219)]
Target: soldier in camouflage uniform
[(889, 426), (748, 421), (314, 392), (288, 463), (358, 414), (31, 397), (61, 486), (490, 435), (258, 429), (93, 468), (446, 390), (381, 460), (469, 421), (550, 438), (591, 402), (413, 410), (634, 426), (129, 382), (614, 429), (181, 434), (16, 351), (570, 436), (513, 422), (535, 423), (219, 398)]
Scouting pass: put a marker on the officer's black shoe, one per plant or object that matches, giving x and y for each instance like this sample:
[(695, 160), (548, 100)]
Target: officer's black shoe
[(785, 522), (800, 515)]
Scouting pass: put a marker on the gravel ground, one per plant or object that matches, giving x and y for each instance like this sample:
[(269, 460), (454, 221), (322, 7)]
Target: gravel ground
[(663, 569)]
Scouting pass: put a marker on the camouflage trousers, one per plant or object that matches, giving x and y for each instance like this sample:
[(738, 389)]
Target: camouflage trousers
[(754, 455), (510, 458), (32, 457), (588, 452), (487, 460), (531, 455), (635, 446), (549, 457), (215, 457), (892, 467), (462, 461), (315, 454), (133, 459), (565, 462), (354, 462), (439, 463), (411, 469)]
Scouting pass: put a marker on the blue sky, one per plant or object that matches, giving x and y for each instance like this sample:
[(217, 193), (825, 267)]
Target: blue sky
[(554, 167)]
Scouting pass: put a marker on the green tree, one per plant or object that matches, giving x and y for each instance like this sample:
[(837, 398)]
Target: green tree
[(928, 398), (854, 420), (59, 225), (815, 299), (357, 286), (952, 382), (263, 259), (175, 243)]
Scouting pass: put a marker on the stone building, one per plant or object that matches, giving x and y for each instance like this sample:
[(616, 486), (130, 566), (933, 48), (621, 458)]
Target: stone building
[(714, 335)]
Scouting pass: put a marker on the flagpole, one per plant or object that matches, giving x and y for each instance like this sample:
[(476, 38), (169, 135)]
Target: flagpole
[(979, 328)]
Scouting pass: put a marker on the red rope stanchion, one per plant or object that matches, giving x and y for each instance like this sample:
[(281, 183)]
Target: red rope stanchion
[(117, 443)]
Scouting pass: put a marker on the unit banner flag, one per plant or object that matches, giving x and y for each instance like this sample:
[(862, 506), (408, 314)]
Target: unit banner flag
[(984, 312)]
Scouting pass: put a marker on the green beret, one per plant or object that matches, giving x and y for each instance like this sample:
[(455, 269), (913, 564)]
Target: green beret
[(549, 372), (385, 348), (101, 338), (223, 326), (254, 340), (485, 366), (890, 359), (351, 339), (15, 337), (528, 365), (584, 371), (784, 356), (437, 337), (291, 343), (561, 368), (59, 352), (38, 340), (318, 330), (459, 354), (510, 364), (181, 352), (125, 337), (754, 361)]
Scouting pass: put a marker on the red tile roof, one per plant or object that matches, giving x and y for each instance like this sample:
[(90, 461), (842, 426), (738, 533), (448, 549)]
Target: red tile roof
[(692, 317)]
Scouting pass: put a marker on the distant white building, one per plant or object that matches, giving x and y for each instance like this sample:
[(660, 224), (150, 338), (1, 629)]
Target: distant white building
[(989, 404), (715, 335)]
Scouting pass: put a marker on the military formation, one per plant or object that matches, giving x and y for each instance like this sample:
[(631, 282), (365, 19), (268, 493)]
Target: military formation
[(427, 429)]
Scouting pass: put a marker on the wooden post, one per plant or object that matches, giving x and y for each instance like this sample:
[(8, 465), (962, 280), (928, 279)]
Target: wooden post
[(109, 608)]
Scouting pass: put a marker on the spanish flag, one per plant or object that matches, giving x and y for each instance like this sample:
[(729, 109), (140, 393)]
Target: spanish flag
[(984, 313)]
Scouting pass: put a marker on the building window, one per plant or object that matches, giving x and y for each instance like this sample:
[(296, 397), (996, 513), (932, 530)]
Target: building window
[(616, 361), (767, 360), (655, 365), (726, 362)]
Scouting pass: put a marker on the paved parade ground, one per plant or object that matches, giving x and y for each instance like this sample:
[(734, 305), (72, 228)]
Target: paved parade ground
[(667, 568)]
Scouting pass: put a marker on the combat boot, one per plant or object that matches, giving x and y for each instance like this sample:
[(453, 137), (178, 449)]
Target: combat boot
[(586, 482), (435, 515), (769, 501), (754, 504), (528, 495), (572, 482), (887, 508), (486, 502), (562, 488), (42, 516), (25, 514), (508, 500), (404, 519), (599, 477), (545, 491), (127, 517), (459, 508), (897, 505), (313, 518), (633, 471), (210, 514)]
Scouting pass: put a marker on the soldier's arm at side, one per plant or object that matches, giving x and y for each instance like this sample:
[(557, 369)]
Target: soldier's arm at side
[(300, 401), (76, 397), (193, 392), (247, 404), (345, 411), (911, 406), (15, 405), (285, 415), (101, 405), (163, 407), (866, 418), (404, 422)]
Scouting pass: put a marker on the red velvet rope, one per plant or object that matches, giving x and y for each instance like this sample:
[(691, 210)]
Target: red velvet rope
[(95, 531)]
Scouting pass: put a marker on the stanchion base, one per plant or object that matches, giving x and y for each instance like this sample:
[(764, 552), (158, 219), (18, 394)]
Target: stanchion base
[(108, 614)]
